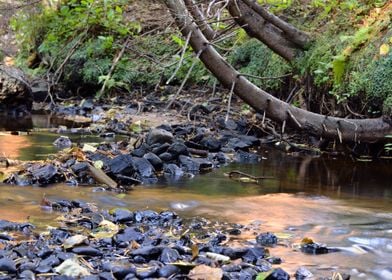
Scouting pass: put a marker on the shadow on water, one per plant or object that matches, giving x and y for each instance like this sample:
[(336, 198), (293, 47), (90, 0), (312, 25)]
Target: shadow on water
[(341, 202)]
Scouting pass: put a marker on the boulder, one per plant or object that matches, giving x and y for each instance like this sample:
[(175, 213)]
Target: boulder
[(158, 135), (15, 92)]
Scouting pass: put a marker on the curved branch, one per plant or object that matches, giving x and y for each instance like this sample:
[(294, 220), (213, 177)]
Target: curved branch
[(290, 32), (257, 27), (199, 17), (366, 130)]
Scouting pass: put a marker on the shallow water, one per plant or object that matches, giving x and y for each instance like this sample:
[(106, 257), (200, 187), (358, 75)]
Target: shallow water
[(342, 203)]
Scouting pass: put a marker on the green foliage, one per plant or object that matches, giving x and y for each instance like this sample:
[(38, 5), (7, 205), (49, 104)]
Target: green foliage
[(253, 58), (90, 32)]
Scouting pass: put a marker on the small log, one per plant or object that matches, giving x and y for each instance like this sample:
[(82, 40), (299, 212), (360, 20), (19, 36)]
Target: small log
[(101, 177)]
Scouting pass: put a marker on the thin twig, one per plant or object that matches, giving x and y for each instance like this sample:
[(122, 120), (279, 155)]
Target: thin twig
[(181, 58), (115, 62), (229, 101), (185, 80)]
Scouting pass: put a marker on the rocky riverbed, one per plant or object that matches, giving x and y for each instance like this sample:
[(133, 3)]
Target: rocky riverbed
[(91, 243)]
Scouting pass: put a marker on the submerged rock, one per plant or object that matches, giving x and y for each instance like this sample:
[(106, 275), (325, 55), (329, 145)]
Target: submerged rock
[(267, 239), (63, 142)]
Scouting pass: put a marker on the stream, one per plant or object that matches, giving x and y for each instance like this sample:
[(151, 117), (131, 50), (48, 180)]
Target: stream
[(340, 202)]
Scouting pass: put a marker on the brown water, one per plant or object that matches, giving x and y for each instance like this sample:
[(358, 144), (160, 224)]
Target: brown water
[(342, 203)]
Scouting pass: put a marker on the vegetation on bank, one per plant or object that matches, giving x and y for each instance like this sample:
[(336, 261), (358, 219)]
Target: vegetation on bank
[(349, 61)]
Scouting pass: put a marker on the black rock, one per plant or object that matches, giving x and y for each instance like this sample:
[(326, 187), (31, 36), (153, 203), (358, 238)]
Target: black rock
[(169, 255), (245, 157), (143, 167), (267, 239), (173, 169), (210, 143), (86, 251), (122, 215), (106, 276), (165, 157), (50, 261), (189, 164), (248, 273), (302, 273), (141, 151), (168, 270), (120, 272), (62, 142), (129, 234), (5, 237), (231, 268), (147, 251), (26, 275), (79, 167), (159, 136), (44, 174), (274, 260), (43, 269), (147, 273), (122, 164), (278, 274), (160, 148), (314, 249), (177, 149), (253, 254), (7, 265), (154, 160)]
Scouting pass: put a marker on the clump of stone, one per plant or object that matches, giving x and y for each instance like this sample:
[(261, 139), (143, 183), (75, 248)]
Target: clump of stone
[(124, 244)]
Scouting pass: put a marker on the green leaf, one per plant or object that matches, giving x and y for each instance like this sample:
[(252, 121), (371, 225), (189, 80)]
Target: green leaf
[(263, 275)]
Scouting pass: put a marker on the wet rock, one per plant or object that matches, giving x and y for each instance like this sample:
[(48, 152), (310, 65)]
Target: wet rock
[(245, 157), (62, 142), (210, 143), (159, 136), (120, 272), (173, 169), (129, 234), (166, 157), (26, 275), (177, 149), (267, 239), (87, 251), (168, 270), (147, 251), (43, 269), (263, 265), (154, 160), (194, 164), (314, 249), (12, 226), (303, 273), (44, 174), (122, 215), (143, 167), (122, 164), (5, 237), (169, 255), (7, 265), (253, 254), (141, 151), (278, 274), (79, 167), (160, 148), (147, 273), (147, 216), (50, 261)]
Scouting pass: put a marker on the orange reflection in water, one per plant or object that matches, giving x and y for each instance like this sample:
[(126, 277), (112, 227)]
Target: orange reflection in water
[(10, 145)]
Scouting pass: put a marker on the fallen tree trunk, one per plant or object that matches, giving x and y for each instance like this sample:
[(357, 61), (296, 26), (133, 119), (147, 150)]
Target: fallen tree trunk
[(348, 130)]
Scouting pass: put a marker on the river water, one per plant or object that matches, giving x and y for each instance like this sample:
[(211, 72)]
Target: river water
[(340, 202)]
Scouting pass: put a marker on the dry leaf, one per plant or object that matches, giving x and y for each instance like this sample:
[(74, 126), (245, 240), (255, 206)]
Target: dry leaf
[(73, 241), (195, 251), (204, 272)]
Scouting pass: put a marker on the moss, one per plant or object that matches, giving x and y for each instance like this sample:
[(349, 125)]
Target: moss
[(253, 58)]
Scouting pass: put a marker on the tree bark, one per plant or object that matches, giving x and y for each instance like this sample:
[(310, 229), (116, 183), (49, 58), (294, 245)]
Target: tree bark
[(255, 26), (357, 130), (291, 33)]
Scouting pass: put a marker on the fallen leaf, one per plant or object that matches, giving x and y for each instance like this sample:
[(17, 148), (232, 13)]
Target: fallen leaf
[(98, 164), (204, 272), (105, 229), (195, 251), (263, 275)]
